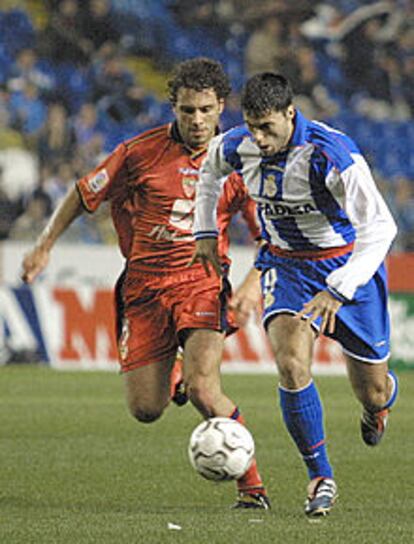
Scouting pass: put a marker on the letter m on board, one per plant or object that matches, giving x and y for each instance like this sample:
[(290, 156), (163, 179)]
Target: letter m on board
[(89, 330)]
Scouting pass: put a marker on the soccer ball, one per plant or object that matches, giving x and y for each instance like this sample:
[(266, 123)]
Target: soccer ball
[(221, 449)]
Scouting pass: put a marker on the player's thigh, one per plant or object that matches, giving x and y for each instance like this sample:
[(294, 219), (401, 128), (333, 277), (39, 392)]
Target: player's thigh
[(147, 335), (292, 342), (147, 389)]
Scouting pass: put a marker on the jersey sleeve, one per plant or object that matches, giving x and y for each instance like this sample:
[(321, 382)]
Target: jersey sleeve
[(105, 182), (249, 213), (213, 174), (374, 226)]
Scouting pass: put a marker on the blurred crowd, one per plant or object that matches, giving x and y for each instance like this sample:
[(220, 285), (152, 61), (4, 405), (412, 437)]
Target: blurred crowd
[(76, 78)]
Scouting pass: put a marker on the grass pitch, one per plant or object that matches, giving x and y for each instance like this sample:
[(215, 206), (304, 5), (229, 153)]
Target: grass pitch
[(76, 468)]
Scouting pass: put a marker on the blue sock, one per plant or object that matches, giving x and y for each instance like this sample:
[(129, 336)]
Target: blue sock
[(394, 393), (303, 416)]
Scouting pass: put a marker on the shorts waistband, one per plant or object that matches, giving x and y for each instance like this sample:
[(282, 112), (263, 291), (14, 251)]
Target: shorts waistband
[(324, 253)]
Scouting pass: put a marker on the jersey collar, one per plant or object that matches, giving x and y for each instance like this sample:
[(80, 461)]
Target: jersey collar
[(299, 132), (176, 136)]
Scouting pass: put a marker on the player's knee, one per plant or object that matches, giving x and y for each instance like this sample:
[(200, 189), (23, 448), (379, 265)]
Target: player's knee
[(294, 372), (145, 414)]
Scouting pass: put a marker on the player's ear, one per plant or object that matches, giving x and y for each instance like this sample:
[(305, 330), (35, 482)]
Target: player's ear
[(221, 105), (290, 112)]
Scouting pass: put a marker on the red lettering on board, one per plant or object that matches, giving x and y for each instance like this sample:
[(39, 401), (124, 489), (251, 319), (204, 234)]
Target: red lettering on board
[(84, 323)]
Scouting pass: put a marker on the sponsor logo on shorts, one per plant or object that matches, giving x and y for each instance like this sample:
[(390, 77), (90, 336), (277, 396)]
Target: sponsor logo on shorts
[(99, 180)]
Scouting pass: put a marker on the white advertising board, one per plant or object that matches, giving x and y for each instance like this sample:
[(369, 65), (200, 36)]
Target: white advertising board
[(66, 318)]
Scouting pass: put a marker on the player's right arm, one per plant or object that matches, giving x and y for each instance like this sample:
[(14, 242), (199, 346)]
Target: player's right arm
[(212, 176), (37, 259), (101, 184)]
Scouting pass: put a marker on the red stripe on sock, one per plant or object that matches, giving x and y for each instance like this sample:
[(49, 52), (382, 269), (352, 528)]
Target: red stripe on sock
[(252, 479), (317, 445)]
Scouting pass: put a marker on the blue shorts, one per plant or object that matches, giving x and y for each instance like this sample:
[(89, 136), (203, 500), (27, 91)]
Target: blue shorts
[(362, 325)]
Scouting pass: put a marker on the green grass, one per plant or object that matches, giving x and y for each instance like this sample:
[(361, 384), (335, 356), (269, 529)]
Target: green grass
[(76, 468)]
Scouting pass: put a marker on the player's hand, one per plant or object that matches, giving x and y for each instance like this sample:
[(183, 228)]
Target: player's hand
[(246, 297), (206, 253), (322, 305), (34, 263)]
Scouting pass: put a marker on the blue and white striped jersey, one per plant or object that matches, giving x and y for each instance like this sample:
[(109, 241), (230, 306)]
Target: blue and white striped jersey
[(317, 194)]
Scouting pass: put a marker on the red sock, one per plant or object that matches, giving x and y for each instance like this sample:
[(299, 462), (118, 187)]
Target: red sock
[(251, 481)]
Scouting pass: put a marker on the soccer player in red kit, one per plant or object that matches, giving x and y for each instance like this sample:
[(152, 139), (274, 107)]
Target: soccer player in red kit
[(150, 182)]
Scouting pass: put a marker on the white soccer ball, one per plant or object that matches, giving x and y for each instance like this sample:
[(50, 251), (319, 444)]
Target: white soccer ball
[(221, 449)]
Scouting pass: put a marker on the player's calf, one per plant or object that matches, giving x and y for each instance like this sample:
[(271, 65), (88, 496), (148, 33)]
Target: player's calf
[(373, 423), (178, 390)]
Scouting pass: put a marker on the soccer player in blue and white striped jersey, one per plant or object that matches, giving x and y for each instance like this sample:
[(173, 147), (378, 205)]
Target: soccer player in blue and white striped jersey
[(327, 231)]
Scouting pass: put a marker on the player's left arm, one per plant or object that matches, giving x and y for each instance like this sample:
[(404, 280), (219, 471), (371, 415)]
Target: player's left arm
[(375, 229)]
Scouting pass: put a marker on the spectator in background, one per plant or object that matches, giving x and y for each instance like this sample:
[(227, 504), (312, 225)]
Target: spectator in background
[(57, 184), (28, 111), (139, 107), (86, 124), (56, 140), (232, 114), (98, 24), (359, 48), (9, 136), (311, 95), (407, 82), (403, 204), (32, 221), (39, 191), (120, 98), (9, 209), (111, 82), (212, 16), (63, 39), (89, 135), (25, 70), (265, 50)]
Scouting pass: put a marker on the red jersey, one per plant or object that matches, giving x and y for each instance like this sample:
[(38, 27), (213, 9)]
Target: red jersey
[(150, 182)]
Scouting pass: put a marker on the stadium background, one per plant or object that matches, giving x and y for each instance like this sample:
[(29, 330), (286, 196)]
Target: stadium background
[(76, 78)]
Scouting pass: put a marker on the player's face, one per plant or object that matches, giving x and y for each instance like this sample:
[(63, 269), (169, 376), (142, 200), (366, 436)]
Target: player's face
[(272, 132), (197, 114)]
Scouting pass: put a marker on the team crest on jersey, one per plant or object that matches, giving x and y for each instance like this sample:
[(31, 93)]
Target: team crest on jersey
[(269, 186), (99, 180), (189, 186)]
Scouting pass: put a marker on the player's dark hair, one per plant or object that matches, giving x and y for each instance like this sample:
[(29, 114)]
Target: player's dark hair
[(199, 73), (266, 92)]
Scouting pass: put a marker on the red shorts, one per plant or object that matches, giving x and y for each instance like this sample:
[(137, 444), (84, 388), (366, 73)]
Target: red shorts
[(154, 308)]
